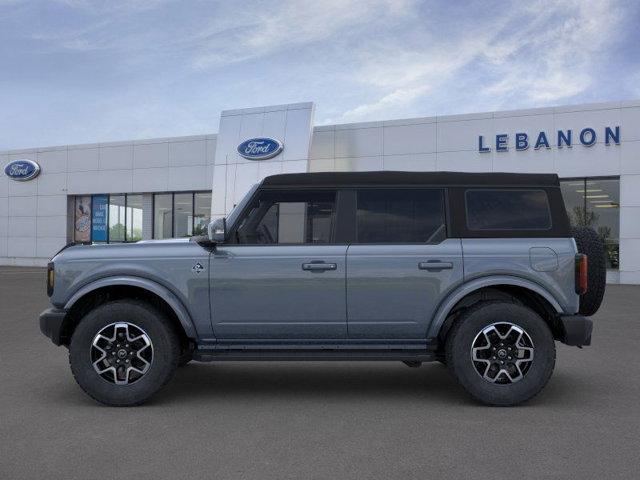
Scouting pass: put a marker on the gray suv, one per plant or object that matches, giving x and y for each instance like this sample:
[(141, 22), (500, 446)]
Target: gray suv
[(480, 272)]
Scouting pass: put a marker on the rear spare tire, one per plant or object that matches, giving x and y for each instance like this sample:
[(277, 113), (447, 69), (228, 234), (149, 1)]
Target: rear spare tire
[(590, 244)]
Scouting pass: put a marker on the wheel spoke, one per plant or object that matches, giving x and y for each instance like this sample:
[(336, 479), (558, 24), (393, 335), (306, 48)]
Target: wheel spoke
[(502, 353), (114, 350)]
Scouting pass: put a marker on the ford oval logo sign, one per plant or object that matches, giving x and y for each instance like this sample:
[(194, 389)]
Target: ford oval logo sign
[(22, 170), (260, 148)]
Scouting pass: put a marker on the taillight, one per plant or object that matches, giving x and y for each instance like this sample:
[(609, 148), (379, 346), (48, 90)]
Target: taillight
[(51, 278), (582, 282)]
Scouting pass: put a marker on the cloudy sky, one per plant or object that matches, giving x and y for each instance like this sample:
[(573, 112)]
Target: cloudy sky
[(81, 71)]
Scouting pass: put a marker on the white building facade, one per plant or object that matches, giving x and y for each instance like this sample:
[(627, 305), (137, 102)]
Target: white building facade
[(172, 187)]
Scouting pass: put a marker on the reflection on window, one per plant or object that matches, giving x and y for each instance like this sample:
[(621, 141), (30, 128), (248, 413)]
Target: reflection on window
[(134, 218), (117, 215), (405, 216), (595, 203), (288, 217), (201, 212), (181, 214), (507, 209), (108, 218), (162, 215)]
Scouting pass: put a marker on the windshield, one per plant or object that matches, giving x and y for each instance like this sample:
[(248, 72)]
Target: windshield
[(235, 211)]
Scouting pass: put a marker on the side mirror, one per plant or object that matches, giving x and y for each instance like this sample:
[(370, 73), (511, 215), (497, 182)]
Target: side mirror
[(217, 230)]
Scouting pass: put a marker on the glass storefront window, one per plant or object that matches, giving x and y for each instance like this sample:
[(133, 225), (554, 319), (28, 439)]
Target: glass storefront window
[(201, 213), (595, 203), (108, 218), (183, 214), (134, 218), (105, 218), (117, 218), (82, 219), (162, 215)]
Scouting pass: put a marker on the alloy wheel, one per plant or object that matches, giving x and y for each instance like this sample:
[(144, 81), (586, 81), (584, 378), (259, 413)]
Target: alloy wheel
[(121, 353), (502, 353)]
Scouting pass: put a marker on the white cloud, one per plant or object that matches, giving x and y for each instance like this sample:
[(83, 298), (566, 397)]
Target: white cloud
[(555, 63), (253, 33), (542, 51)]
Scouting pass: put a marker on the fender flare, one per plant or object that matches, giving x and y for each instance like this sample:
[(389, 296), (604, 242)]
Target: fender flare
[(164, 293), (454, 297)]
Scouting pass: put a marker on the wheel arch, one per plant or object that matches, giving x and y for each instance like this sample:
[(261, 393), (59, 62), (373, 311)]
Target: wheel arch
[(522, 290), (120, 287)]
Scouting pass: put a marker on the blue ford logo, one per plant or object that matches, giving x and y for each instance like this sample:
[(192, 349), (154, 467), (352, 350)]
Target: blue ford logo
[(260, 148), (22, 170)]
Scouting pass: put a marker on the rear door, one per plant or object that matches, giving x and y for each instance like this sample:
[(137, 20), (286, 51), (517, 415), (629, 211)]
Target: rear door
[(401, 263)]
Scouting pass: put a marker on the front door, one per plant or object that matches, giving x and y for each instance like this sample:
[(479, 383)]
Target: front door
[(280, 276), (401, 264)]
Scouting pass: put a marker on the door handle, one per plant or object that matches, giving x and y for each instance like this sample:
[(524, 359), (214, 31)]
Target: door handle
[(319, 266), (435, 265)]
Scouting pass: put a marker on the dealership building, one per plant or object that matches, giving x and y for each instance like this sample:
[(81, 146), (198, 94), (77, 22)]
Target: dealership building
[(171, 187)]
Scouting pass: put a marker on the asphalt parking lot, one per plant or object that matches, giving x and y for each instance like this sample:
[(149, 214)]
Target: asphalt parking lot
[(317, 420)]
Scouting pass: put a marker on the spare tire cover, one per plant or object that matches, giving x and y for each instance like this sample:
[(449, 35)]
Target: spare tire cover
[(590, 243)]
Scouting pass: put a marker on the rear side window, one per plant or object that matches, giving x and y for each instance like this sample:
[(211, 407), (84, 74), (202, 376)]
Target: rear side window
[(489, 209), (400, 216)]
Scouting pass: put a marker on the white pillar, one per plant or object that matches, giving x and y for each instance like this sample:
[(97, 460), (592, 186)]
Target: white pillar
[(233, 174)]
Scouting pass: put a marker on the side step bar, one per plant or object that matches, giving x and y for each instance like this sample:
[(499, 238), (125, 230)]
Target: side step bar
[(313, 355)]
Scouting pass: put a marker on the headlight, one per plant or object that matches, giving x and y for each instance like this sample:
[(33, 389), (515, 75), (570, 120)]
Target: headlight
[(51, 278)]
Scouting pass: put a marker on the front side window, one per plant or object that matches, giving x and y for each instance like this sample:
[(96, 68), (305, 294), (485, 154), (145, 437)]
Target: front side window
[(400, 216), (289, 218), (505, 209)]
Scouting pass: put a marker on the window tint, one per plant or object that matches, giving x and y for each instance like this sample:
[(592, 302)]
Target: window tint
[(400, 216), (289, 217), (508, 210)]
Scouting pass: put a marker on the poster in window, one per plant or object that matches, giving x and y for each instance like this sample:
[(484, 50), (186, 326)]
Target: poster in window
[(99, 209), (82, 220)]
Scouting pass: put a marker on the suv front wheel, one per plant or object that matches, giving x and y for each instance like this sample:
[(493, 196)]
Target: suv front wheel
[(124, 351), (502, 353)]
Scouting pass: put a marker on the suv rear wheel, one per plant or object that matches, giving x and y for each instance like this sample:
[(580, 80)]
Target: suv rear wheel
[(502, 353), (124, 351)]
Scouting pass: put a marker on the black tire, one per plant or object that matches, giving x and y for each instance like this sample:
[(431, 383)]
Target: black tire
[(459, 360), (590, 243), (185, 359), (165, 345)]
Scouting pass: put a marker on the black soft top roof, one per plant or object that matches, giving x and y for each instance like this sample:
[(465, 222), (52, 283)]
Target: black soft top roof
[(413, 178)]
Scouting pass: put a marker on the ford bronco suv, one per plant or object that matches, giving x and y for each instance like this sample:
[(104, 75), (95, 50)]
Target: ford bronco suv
[(481, 272)]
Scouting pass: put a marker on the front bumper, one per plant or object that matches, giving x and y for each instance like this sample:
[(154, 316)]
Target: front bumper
[(577, 330), (51, 321)]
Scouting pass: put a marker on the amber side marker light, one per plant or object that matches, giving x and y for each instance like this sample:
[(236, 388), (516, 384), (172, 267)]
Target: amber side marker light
[(582, 282), (51, 278)]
